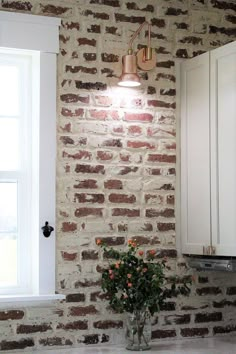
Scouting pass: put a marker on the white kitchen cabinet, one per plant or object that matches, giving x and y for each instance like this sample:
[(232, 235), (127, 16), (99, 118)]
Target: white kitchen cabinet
[(208, 153)]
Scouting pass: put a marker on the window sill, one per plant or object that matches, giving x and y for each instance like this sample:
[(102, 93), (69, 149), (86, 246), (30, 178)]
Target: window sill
[(29, 300)]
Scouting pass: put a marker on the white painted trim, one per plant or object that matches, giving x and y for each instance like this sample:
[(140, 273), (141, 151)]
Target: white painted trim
[(16, 299), (29, 32), (178, 241), (18, 17)]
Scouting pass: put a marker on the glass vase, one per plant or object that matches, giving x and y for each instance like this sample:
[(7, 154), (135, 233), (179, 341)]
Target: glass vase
[(138, 330)]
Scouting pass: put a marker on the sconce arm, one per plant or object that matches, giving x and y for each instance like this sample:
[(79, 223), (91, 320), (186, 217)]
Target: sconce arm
[(130, 51)]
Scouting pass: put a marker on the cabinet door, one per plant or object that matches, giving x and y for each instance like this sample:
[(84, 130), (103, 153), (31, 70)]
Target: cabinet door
[(223, 153), (195, 155)]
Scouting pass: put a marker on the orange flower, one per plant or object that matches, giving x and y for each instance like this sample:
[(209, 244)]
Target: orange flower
[(117, 265), (140, 253), (129, 285), (132, 243), (129, 276), (152, 252), (98, 241)]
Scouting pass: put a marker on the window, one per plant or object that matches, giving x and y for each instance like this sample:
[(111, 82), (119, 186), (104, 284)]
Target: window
[(28, 47)]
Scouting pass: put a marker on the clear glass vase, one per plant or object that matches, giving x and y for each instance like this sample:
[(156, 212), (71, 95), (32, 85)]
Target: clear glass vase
[(138, 330)]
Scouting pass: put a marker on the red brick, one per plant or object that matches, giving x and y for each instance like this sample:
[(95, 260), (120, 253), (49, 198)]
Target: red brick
[(89, 198), (78, 297), (98, 169), (73, 326), (108, 324), (112, 241), (89, 255), (139, 117), (209, 290), (132, 19), (112, 143), (153, 171), (140, 145), (20, 344), (163, 333), (94, 29), (17, 5), (67, 256), (127, 170), (57, 341), (63, 38), (33, 328), (161, 158), (69, 226), (80, 85), (172, 11), (11, 315), (113, 3), (167, 77), (66, 128), (110, 58), (79, 112), (82, 69), (71, 25), (96, 15), (208, 317), (194, 332), (134, 6), (166, 213), (157, 22), (87, 41), (103, 114), (141, 240), (165, 226), (131, 213), (54, 10), (161, 104), (90, 56), (86, 184), (122, 198), (91, 339), (80, 155), (113, 184), (87, 283), (118, 130), (83, 311), (67, 140), (224, 329), (134, 130), (83, 212), (112, 30)]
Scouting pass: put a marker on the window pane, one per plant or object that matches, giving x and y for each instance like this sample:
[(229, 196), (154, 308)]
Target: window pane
[(9, 90), (8, 260), (9, 144), (8, 207), (8, 233)]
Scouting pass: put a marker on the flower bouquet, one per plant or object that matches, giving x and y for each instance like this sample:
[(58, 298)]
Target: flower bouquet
[(139, 287)]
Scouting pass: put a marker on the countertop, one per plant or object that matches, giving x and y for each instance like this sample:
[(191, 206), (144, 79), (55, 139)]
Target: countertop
[(219, 345)]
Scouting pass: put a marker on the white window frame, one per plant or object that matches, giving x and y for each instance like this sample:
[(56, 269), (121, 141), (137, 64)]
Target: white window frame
[(40, 34)]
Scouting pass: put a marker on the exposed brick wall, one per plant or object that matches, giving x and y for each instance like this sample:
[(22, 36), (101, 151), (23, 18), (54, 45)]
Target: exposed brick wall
[(116, 167)]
